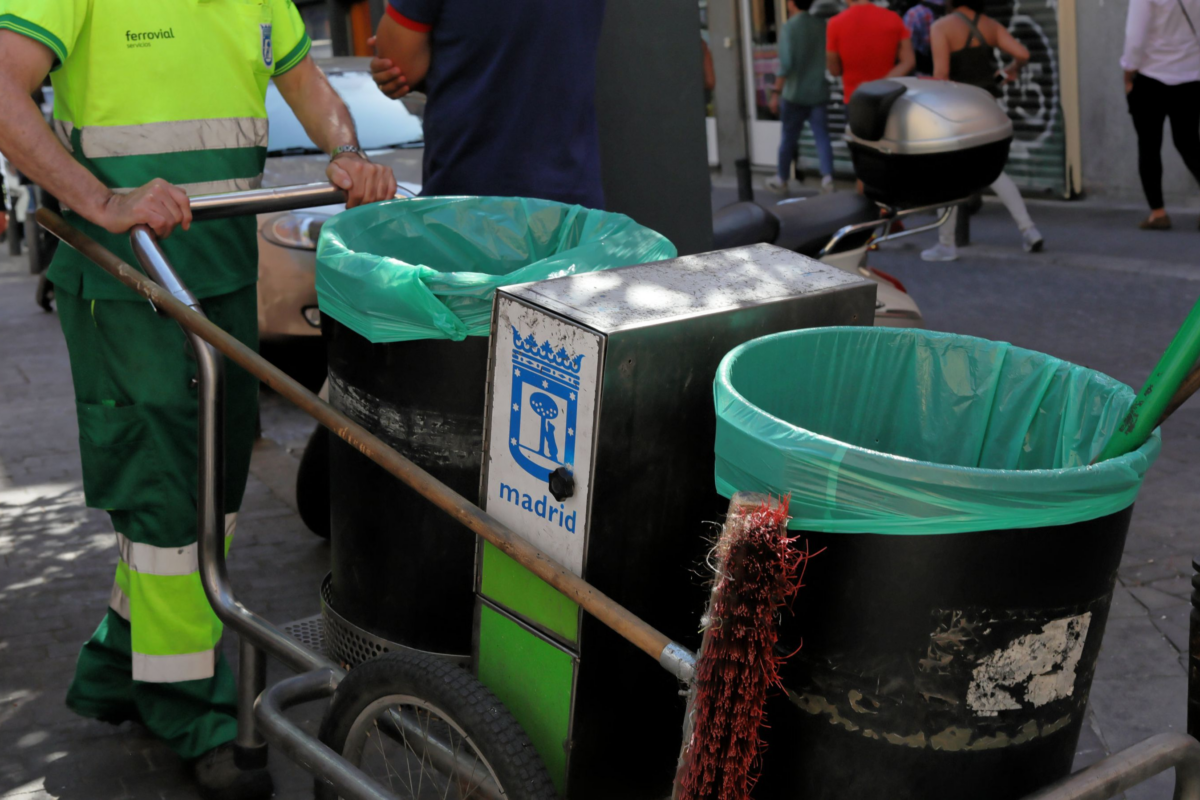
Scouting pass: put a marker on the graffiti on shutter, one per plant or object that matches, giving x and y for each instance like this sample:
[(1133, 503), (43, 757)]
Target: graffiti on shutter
[(1037, 160)]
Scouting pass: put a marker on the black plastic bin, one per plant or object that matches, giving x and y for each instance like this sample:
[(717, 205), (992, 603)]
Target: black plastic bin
[(406, 291), (401, 568), (949, 628)]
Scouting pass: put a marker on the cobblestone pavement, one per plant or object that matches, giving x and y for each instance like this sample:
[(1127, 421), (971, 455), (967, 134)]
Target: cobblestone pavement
[(1096, 297), (56, 568)]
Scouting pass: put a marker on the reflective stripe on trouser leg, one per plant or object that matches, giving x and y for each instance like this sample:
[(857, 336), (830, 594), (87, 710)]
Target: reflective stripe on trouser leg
[(176, 632)]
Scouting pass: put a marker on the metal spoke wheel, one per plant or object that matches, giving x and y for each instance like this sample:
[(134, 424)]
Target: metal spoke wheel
[(426, 729)]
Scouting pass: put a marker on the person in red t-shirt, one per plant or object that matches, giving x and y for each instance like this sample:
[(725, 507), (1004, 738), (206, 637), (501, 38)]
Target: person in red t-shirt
[(866, 43)]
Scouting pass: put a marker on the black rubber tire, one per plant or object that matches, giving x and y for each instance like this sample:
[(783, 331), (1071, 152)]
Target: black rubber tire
[(453, 690), (312, 483)]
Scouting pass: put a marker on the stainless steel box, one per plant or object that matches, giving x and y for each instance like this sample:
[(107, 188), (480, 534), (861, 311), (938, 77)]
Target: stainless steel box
[(608, 376)]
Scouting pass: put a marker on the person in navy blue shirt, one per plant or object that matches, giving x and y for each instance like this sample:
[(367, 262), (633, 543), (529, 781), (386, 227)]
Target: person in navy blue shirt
[(510, 88)]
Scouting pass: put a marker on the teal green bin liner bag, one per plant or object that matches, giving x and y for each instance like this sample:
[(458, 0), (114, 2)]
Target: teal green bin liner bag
[(426, 268), (898, 431)]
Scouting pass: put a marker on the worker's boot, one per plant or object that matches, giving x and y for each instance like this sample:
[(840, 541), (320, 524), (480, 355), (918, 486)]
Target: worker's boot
[(220, 778)]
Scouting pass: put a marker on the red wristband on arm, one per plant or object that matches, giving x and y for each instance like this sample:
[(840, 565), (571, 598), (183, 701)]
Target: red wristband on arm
[(405, 22)]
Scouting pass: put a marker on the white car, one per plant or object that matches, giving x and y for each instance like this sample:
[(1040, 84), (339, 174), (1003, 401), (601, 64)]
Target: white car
[(389, 131)]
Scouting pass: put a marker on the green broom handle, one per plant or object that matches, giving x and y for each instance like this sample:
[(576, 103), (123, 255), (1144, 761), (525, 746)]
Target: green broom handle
[(1154, 398)]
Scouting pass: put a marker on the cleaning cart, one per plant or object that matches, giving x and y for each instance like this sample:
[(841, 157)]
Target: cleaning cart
[(458, 731)]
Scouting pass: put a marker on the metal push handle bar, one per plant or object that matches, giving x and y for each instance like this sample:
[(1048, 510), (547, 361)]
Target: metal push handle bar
[(211, 500), (265, 201), (672, 656), (1128, 768)]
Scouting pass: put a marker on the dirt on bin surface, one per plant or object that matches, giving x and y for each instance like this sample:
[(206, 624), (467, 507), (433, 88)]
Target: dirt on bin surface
[(1099, 297)]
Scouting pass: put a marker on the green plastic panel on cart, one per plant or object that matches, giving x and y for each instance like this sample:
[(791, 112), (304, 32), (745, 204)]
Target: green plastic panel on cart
[(534, 680), (509, 584)]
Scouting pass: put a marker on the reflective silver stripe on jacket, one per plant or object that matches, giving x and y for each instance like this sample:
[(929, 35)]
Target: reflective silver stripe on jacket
[(220, 187), (154, 138), (173, 669)]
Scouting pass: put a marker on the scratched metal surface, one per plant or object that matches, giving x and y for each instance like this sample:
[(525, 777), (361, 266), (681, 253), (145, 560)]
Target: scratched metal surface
[(691, 286)]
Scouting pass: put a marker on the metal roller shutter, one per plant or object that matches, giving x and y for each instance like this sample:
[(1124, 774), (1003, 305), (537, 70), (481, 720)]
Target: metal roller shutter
[(1037, 162)]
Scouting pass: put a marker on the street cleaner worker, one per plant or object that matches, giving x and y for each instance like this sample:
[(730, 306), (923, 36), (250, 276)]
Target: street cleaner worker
[(481, 136), (156, 100)]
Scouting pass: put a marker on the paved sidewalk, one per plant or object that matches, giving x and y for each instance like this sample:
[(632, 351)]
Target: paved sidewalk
[(57, 559), (1102, 295)]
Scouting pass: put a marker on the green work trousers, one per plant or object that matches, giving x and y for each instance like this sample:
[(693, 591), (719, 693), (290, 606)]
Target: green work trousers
[(156, 656)]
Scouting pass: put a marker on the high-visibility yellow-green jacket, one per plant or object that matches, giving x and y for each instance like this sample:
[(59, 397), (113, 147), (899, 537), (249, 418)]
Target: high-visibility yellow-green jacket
[(170, 89)]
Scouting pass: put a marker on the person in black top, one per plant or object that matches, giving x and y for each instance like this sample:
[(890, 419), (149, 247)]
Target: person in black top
[(963, 44)]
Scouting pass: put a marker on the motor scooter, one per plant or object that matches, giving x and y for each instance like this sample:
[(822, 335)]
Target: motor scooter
[(837, 229)]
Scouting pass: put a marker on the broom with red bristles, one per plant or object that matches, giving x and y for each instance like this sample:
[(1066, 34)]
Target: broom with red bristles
[(758, 571)]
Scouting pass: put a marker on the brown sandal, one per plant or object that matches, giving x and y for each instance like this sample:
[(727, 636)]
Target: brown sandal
[(1162, 223)]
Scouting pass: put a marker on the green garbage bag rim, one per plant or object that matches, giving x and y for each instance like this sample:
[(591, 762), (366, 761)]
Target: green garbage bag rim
[(390, 271), (727, 391)]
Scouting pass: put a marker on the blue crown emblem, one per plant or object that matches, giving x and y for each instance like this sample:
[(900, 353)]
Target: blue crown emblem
[(545, 401)]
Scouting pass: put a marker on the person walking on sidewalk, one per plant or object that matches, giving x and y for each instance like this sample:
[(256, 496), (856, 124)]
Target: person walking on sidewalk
[(919, 20), (147, 91), (963, 43), (1162, 79), (865, 43), (801, 94)]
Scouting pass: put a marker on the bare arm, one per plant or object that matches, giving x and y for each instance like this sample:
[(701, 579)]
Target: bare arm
[(939, 45), (833, 63), (28, 142), (328, 123), (407, 49), (1009, 45), (906, 60)]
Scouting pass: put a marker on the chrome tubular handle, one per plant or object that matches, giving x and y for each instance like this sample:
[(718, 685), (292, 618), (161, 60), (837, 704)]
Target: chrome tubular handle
[(154, 261), (265, 201)]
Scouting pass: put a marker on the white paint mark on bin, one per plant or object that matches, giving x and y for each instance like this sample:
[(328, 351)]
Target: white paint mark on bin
[(1041, 663)]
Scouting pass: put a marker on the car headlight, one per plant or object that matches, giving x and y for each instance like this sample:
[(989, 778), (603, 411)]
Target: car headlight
[(297, 230)]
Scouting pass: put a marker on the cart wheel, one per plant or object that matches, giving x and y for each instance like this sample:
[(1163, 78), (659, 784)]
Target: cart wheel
[(425, 728), (312, 483)]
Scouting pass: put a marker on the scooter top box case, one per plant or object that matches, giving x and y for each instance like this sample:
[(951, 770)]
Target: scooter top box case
[(921, 142)]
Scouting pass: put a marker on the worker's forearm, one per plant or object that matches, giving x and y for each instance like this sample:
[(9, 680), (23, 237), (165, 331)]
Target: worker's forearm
[(320, 110), (27, 141)]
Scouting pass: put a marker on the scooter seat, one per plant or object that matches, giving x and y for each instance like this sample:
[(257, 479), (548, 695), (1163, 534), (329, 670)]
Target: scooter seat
[(807, 224), (743, 224)]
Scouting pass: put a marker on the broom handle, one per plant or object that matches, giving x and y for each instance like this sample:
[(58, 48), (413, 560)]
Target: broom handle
[(1189, 387), (1154, 401)]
